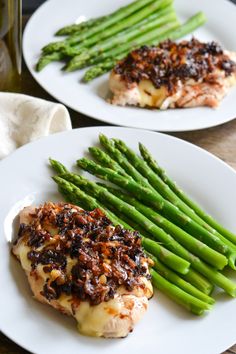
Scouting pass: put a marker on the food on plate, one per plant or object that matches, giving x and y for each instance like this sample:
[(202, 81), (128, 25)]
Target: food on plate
[(105, 40), (174, 75), (82, 265), (147, 200)]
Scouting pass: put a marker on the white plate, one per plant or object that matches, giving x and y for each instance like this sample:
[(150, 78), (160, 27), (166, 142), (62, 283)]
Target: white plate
[(90, 98), (166, 328)]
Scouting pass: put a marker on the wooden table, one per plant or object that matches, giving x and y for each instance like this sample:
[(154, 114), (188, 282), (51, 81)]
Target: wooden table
[(221, 141)]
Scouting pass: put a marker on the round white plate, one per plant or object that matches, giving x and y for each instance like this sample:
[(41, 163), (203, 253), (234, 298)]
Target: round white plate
[(90, 99), (166, 328)]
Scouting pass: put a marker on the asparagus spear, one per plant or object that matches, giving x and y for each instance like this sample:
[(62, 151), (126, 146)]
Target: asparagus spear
[(166, 192), (184, 299), (126, 34), (117, 21), (155, 200), (102, 194), (177, 190), (44, 60), (178, 281), (119, 53), (77, 27), (169, 258), (76, 196), (100, 69), (145, 171), (116, 155), (199, 281), (152, 22), (198, 248), (106, 161), (158, 184)]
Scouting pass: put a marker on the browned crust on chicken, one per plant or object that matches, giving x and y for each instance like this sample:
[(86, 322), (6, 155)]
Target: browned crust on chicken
[(185, 74)]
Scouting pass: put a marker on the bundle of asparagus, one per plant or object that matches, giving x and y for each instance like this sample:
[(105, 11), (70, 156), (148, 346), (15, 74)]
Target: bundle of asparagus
[(105, 40), (189, 248)]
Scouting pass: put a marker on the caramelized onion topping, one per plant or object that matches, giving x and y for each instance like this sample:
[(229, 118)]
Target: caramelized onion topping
[(103, 257), (170, 62)]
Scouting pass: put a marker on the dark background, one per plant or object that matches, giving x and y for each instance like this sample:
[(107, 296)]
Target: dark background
[(30, 5)]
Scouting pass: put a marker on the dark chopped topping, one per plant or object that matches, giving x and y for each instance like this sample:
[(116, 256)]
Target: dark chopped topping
[(169, 62), (50, 291), (48, 257), (100, 257)]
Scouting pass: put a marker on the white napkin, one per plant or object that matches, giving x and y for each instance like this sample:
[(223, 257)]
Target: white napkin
[(25, 118)]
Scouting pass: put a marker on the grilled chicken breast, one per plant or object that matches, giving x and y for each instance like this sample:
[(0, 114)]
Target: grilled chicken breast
[(174, 75), (79, 263)]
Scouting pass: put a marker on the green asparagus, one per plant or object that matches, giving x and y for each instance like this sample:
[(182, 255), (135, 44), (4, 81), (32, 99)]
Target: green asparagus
[(178, 281), (132, 34), (123, 36), (184, 299), (193, 245), (44, 60), (167, 193), (117, 21), (116, 155), (82, 26), (106, 161), (169, 258), (100, 69), (177, 190)]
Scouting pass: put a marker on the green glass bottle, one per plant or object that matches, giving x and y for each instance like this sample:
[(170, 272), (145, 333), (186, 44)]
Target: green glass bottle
[(10, 44)]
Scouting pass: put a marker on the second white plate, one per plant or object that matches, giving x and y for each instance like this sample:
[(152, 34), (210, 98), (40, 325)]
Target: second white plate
[(166, 328), (90, 99)]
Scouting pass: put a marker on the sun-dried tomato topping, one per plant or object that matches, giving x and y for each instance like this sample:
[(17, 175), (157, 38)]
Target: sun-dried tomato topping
[(103, 257), (169, 62)]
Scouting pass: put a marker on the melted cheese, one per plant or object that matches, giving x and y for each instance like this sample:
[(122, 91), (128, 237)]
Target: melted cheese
[(92, 320), (151, 96), (21, 251)]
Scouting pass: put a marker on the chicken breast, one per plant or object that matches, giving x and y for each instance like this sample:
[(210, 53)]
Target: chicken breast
[(79, 263), (174, 75)]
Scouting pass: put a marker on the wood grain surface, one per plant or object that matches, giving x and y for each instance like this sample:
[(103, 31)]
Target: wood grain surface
[(221, 141)]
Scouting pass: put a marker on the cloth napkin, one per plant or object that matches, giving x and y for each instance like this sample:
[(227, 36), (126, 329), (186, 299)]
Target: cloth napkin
[(24, 119)]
